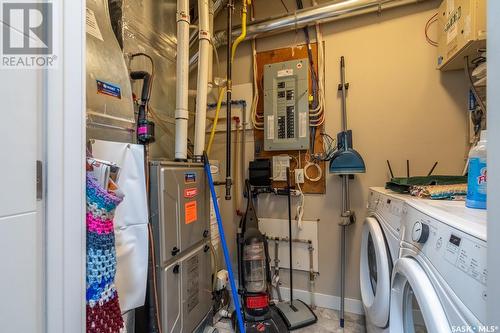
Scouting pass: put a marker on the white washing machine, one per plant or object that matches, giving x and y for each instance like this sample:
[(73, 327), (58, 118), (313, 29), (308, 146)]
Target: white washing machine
[(439, 281), (380, 242)]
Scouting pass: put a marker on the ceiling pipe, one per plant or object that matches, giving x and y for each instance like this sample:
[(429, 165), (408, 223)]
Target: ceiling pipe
[(217, 6), (328, 12)]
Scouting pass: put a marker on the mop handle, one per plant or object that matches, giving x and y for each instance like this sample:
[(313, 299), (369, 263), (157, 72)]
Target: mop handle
[(227, 258)]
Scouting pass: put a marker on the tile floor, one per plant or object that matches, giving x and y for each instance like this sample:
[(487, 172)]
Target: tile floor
[(328, 321)]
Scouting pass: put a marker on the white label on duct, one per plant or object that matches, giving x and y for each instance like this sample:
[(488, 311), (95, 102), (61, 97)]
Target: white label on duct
[(214, 228), (92, 27), (270, 127), (467, 26), (452, 33), (285, 72), (302, 125)]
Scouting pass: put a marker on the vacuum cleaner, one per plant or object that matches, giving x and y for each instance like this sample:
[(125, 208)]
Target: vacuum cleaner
[(296, 313), (254, 275), (345, 162)]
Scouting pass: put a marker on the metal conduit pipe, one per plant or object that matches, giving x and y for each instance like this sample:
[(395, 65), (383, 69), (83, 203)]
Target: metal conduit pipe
[(229, 87), (328, 12)]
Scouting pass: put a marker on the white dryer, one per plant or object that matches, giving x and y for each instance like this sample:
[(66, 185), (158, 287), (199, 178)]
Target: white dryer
[(439, 281), (379, 250)]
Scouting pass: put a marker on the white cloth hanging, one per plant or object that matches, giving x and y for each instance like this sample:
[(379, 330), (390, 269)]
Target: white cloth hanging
[(131, 218)]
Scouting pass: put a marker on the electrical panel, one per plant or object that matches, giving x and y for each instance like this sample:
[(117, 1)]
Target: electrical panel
[(461, 32), (286, 105)]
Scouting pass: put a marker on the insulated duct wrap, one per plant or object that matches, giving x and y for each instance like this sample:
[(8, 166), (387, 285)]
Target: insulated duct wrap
[(110, 111), (149, 27)]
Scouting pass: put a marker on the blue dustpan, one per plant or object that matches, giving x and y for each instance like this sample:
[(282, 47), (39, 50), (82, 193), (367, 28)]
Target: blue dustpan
[(346, 160)]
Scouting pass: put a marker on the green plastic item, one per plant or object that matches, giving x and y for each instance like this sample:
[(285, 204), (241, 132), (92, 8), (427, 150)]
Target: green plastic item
[(403, 184)]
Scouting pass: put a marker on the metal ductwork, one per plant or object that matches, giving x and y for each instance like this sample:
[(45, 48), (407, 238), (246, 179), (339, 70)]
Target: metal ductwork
[(328, 12)]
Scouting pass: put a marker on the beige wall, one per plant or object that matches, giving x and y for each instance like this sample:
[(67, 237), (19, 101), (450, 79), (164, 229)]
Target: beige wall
[(399, 108)]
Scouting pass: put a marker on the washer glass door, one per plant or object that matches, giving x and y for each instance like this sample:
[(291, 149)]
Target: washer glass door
[(412, 315), (375, 273), (415, 305)]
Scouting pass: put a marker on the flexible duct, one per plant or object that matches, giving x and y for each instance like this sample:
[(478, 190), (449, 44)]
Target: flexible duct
[(181, 102), (205, 50), (328, 12)]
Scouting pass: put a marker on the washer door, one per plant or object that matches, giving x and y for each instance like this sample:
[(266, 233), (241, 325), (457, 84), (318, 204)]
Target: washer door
[(415, 305), (375, 273)]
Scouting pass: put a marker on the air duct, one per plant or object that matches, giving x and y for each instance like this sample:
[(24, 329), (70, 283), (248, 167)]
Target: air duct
[(181, 102), (205, 49), (328, 12)]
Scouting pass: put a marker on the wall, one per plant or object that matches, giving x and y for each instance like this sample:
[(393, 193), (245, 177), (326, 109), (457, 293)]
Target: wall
[(399, 108), (493, 163)]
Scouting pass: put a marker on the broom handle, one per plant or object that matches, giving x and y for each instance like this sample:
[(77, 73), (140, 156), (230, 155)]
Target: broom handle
[(344, 97)]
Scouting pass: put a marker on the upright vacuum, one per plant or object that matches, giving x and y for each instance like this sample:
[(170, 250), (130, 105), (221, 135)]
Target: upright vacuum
[(296, 313), (254, 275), (345, 162)]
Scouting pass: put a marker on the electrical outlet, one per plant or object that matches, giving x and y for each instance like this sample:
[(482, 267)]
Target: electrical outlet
[(299, 176)]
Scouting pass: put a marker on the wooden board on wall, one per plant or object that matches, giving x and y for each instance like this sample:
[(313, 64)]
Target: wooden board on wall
[(279, 55)]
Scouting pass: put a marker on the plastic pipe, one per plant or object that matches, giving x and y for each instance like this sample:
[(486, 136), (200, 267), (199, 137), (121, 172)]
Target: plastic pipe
[(181, 101), (227, 257), (202, 83)]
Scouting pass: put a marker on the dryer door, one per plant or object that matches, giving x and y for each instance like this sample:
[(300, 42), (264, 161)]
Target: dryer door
[(415, 305), (375, 273)]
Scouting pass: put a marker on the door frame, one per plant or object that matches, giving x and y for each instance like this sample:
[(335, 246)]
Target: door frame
[(64, 152)]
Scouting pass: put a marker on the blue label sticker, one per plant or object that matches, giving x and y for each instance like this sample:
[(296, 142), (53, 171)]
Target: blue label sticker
[(190, 177), (109, 89)]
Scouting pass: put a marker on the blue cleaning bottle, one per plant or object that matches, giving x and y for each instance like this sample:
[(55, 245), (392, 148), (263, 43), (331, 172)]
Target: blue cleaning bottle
[(477, 179)]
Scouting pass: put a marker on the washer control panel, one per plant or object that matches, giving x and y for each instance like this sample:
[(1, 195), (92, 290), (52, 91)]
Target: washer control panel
[(458, 257), (387, 207)]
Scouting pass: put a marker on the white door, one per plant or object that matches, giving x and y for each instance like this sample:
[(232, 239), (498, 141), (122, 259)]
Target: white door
[(375, 273), (415, 305), (21, 222)]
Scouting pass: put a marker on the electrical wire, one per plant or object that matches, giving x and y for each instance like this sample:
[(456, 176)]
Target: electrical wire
[(257, 121), (284, 6), (472, 86), (426, 30), (311, 164)]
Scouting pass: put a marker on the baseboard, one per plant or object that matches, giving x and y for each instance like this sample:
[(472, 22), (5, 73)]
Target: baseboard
[(324, 301)]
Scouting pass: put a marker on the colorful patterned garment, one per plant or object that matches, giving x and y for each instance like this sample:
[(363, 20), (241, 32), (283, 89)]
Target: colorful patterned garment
[(440, 192), (103, 309)]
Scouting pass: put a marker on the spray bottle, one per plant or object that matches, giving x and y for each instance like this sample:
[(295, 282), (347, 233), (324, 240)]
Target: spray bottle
[(477, 179)]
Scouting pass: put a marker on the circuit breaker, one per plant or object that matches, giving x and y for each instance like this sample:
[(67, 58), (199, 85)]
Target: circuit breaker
[(286, 105)]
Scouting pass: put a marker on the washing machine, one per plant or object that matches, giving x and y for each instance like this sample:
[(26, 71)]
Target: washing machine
[(379, 250), (439, 281)]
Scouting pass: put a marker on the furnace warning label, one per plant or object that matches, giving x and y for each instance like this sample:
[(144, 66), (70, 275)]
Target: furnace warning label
[(190, 212), (109, 89)]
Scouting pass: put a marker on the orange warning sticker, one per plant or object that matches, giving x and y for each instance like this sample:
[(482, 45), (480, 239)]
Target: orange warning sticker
[(190, 212)]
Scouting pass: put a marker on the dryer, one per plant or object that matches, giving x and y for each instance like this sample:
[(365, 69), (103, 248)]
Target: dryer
[(379, 250), (439, 281)]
